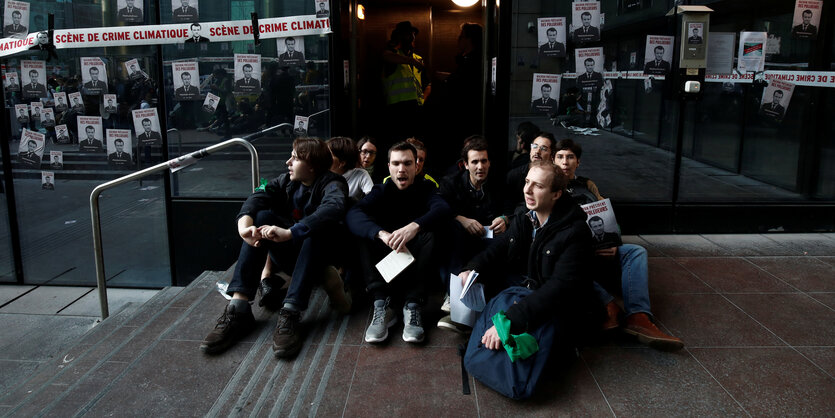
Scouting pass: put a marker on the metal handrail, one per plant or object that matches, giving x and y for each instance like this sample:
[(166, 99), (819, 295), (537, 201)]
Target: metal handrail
[(256, 135), (94, 201)]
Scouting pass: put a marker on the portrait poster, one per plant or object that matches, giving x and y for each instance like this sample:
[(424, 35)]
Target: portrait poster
[(21, 112), (75, 102), (134, 70), (322, 8), (90, 134), (93, 76), (62, 134), (695, 33), (30, 149), (247, 73), (658, 54), (56, 160), (600, 217), (210, 103), (16, 18), (807, 19), (129, 11), (35, 111), (60, 99), (12, 81), (290, 51), (47, 180), (48, 118), (119, 148), (300, 126), (545, 93), (589, 67), (720, 53), (551, 36), (185, 10), (33, 78), (751, 52), (186, 79), (146, 127), (776, 98), (110, 103), (585, 21)]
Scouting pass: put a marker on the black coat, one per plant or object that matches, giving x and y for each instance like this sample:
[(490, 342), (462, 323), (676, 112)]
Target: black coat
[(456, 190)]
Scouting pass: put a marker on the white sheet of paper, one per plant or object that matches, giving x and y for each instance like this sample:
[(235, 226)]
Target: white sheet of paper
[(472, 295), (394, 263), (488, 233), (459, 312)]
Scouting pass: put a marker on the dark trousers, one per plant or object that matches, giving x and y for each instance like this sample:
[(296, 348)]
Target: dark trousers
[(412, 282), (305, 260)]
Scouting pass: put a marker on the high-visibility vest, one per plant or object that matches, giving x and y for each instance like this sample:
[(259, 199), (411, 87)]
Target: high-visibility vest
[(404, 83)]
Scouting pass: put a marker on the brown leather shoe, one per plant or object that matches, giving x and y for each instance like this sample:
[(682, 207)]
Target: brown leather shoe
[(642, 327), (286, 340), (230, 327), (340, 300), (612, 313)]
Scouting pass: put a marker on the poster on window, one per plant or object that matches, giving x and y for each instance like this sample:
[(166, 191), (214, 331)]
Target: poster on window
[(33, 78), (290, 51), (545, 93), (30, 149), (90, 134), (322, 9), (146, 127), (658, 54), (551, 36), (119, 148), (776, 98), (807, 18), (109, 101), (75, 102), (300, 126), (12, 81), (751, 51), (16, 16), (62, 134), (695, 33), (247, 73), (720, 53), (60, 99), (585, 21), (47, 180), (56, 160), (134, 70), (589, 67), (186, 79), (35, 110), (210, 103), (185, 10), (21, 112), (48, 118), (93, 76), (129, 11)]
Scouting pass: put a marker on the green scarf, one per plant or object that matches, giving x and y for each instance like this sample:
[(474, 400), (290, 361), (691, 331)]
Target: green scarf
[(519, 346)]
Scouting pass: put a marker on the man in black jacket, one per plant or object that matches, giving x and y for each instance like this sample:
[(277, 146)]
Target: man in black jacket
[(295, 219), (549, 249), (398, 215)]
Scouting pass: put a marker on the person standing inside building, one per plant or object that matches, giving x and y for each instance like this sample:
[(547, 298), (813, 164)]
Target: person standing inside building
[(403, 83)]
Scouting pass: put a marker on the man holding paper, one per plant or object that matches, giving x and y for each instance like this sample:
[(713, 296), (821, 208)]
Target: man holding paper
[(296, 220), (398, 216)]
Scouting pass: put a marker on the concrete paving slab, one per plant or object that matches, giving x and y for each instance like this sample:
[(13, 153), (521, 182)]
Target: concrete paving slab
[(38, 337), (117, 299), (10, 292), (46, 300)]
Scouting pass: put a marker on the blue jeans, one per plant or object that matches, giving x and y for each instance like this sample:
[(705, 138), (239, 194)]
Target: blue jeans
[(634, 280)]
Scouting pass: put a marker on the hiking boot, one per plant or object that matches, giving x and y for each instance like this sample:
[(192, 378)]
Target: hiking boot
[(642, 327), (230, 327), (340, 300), (412, 326), (383, 318), (445, 306), (286, 340), (447, 324), (272, 294), (612, 313)]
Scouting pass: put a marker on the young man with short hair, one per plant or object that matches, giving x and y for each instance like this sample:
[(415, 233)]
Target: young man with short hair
[(629, 261), (541, 150), (296, 220), (398, 215)]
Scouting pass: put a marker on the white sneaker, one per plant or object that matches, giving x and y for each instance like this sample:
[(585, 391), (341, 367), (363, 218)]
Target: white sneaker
[(384, 318), (445, 305)]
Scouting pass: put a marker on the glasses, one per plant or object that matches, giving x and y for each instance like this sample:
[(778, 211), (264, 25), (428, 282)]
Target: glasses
[(543, 148), (367, 152)]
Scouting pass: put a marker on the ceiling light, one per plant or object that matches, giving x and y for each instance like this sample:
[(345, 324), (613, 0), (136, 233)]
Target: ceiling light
[(465, 3)]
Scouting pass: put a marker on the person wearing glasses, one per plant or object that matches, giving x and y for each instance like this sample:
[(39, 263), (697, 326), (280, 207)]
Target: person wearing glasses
[(368, 157), (542, 148)]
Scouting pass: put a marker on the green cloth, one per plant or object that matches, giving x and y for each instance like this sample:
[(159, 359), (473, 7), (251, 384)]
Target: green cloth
[(519, 346), (263, 186)]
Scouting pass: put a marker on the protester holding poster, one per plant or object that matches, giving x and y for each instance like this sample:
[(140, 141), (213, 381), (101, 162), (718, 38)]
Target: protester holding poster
[(76, 102), (93, 76), (658, 54), (322, 9), (62, 134), (22, 113), (16, 12), (776, 98), (290, 51), (247, 73), (545, 90), (33, 76), (185, 11), (300, 126), (118, 148), (30, 149), (128, 12), (551, 36), (210, 104), (183, 73), (146, 127), (586, 19), (12, 81), (92, 134), (807, 17), (56, 159)]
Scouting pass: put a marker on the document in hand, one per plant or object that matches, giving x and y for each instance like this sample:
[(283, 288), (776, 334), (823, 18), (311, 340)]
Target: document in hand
[(465, 301), (394, 263)]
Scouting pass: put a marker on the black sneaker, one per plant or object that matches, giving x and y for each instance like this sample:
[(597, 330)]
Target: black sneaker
[(286, 340), (272, 294), (231, 327)]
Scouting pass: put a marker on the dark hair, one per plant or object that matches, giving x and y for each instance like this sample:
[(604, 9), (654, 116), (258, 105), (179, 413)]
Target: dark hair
[(589, 59), (474, 32), (246, 65), (527, 132), (116, 141), (594, 218), (315, 152), (585, 14), (474, 143), (93, 68), (365, 139), (195, 24), (185, 73), (288, 39), (345, 149), (403, 146), (546, 85), (807, 11), (570, 145), (659, 47), (549, 136), (17, 12), (777, 91), (551, 29), (32, 141), (559, 180), (418, 144), (146, 120)]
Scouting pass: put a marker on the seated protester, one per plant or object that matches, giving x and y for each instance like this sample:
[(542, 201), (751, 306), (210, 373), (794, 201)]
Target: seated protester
[(628, 260), (541, 150), (345, 163), (476, 204), (525, 134), (295, 219), (398, 215), (549, 249), (420, 163), (368, 158)]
